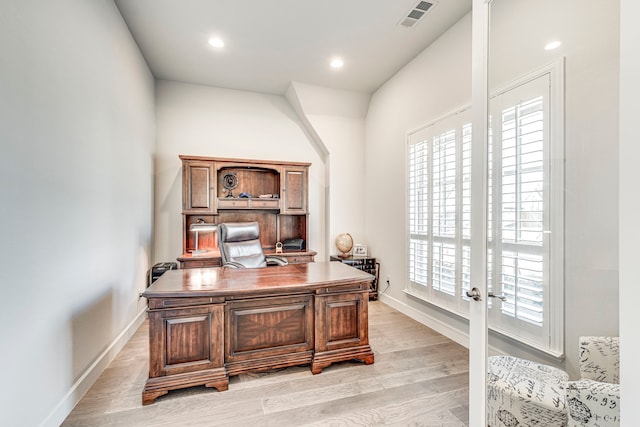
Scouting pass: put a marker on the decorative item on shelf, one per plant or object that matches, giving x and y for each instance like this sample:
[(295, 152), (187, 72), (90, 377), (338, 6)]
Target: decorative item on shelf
[(244, 195), (344, 243), (359, 250), (278, 247), (294, 245), (201, 227), (229, 182)]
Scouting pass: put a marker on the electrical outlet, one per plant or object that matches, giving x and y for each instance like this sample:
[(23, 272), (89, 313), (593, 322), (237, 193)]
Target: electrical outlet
[(388, 279)]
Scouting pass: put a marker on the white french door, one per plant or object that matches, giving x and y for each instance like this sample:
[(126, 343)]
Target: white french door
[(478, 332)]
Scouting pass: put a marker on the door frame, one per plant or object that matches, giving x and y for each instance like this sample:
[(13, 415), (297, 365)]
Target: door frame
[(478, 331)]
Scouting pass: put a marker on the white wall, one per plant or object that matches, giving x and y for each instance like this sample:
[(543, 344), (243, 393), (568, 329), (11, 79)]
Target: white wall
[(629, 207), (336, 118), (208, 121), (438, 80), (76, 138)]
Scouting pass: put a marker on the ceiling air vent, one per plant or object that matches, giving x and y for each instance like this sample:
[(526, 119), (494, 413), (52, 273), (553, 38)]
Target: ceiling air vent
[(416, 13)]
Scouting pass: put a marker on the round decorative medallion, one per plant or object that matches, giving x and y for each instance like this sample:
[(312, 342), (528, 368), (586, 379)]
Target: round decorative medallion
[(230, 181)]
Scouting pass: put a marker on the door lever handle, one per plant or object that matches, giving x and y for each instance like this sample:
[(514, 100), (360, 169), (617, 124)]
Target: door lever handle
[(474, 294), (500, 297)]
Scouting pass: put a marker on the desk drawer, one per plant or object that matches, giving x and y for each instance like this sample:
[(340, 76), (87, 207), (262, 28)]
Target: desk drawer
[(299, 259), (248, 203), (233, 203), (217, 262), (265, 204), (348, 288), (170, 303)]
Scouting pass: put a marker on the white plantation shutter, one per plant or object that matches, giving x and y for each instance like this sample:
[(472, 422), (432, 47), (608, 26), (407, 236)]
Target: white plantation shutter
[(443, 224), (465, 208), (439, 171), (522, 216), (418, 212), (525, 209)]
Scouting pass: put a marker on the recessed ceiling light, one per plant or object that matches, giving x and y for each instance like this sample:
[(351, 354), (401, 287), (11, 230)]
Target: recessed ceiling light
[(216, 42), (337, 63), (552, 45)]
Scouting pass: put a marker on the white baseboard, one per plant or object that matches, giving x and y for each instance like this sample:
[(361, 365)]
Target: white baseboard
[(439, 326), (89, 377), (453, 334)]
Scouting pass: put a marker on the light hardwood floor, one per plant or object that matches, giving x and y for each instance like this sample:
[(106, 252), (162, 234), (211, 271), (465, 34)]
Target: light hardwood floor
[(419, 378)]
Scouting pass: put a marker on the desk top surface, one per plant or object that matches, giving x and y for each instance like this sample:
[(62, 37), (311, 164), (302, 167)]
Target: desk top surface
[(221, 281)]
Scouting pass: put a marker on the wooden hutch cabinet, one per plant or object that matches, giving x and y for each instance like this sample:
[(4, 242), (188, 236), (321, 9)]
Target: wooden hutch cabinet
[(274, 193)]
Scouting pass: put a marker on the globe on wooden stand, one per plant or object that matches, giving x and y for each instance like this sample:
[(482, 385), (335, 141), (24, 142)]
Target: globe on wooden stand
[(344, 243)]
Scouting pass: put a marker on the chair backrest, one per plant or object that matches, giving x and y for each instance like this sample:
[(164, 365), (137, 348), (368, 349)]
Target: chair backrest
[(239, 243), (600, 359)]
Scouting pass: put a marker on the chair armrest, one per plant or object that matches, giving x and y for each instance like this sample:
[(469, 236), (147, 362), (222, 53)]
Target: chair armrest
[(233, 264), (593, 403), (276, 260), (600, 359)]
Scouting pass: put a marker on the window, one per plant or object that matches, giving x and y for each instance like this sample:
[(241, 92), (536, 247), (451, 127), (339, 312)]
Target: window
[(525, 211), (439, 187)]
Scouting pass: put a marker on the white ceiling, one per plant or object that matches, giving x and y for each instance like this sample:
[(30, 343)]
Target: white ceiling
[(270, 43)]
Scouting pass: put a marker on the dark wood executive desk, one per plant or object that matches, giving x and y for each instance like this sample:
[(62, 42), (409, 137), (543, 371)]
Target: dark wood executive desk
[(206, 324)]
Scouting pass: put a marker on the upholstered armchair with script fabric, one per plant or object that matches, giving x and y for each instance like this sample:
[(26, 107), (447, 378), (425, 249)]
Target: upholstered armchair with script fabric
[(525, 393), (594, 400)]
